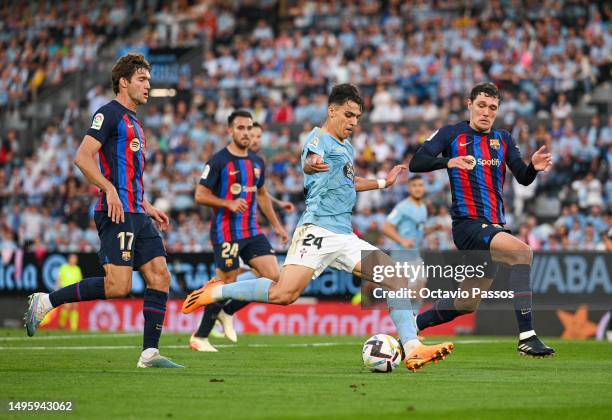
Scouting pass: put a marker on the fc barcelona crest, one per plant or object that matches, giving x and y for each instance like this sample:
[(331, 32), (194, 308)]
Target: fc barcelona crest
[(229, 262), (126, 255), (494, 143)]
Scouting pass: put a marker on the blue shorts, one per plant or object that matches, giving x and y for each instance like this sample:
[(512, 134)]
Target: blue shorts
[(227, 253), (476, 235), (131, 243)]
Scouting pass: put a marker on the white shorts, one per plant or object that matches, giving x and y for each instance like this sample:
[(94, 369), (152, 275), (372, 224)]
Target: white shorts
[(318, 248)]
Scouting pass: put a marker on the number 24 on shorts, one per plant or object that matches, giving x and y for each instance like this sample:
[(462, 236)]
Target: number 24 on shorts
[(310, 240)]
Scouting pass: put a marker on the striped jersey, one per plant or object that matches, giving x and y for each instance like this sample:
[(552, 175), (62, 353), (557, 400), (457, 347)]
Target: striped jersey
[(122, 155), (231, 177), (477, 193)]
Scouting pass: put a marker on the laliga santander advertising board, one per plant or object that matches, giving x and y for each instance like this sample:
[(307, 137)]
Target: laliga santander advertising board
[(323, 318)]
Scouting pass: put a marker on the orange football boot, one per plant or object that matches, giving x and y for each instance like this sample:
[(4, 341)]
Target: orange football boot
[(200, 297), (423, 355)]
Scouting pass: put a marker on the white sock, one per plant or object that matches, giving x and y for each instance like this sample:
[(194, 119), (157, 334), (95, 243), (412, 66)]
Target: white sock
[(526, 334), (150, 352), (410, 345), (46, 302), (216, 294)]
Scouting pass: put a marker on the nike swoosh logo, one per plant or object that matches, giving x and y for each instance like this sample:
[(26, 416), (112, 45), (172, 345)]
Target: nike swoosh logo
[(233, 172), (464, 144)]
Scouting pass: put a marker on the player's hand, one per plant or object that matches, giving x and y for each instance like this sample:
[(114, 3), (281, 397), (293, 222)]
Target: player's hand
[(282, 234), (237, 206), (287, 206), (462, 162), (115, 208), (394, 173), (541, 160), (407, 243), (314, 163), (162, 219)]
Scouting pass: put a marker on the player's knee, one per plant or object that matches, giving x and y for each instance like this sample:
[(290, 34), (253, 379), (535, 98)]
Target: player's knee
[(160, 279), (524, 255), (116, 287), (283, 297)]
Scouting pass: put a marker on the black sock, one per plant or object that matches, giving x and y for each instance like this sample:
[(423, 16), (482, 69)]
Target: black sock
[(232, 306), (208, 319), (91, 288), (154, 311), (442, 311), (520, 283)]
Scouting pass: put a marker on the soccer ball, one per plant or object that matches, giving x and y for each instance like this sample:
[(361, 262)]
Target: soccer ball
[(381, 353)]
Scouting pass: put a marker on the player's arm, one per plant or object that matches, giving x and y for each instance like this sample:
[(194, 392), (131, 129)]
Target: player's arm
[(265, 205), (314, 164), (158, 215), (426, 158), (365, 184), (86, 161), (285, 205), (526, 174), (205, 197), (390, 231)]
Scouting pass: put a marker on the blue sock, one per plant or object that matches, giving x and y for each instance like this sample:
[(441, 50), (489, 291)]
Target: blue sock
[(154, 311), (249, 290), (442, 311), (520, 282), (91, 288), (403, 319)]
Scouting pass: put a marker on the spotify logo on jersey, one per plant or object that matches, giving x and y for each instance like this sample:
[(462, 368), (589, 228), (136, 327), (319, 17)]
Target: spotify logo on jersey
[(135, 145)]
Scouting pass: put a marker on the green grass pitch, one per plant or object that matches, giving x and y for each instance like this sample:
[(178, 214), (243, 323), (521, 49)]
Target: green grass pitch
[(301, 377)]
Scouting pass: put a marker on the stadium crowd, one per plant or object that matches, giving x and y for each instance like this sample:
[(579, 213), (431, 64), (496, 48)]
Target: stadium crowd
[(414, 65), (42, 42)]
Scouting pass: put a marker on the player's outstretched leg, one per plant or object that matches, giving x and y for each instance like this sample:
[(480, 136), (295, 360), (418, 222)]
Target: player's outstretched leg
[(39, 304), (417, 354), (509, 250), (214, 291)]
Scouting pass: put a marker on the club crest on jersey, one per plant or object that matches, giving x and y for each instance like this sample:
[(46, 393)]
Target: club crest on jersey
[(229, 262), (257, 172), (303, 252), (135, 145), (236, 188), (126, 255), (494, 143), (97, 121), (349, 171)]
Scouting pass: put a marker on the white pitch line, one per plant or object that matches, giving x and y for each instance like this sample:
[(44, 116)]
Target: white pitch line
[(254, 345), (69, 336)]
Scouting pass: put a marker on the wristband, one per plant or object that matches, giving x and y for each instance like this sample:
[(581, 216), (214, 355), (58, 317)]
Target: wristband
[(382, 183)]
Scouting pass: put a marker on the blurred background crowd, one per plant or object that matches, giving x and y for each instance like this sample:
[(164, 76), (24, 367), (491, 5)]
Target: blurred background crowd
[(415, 64)]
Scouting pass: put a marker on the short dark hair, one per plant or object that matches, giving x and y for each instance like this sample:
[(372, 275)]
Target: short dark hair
[(238, 113), (126, 66), (257, 125), (487, 88), (343, 93), (415, 178)]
